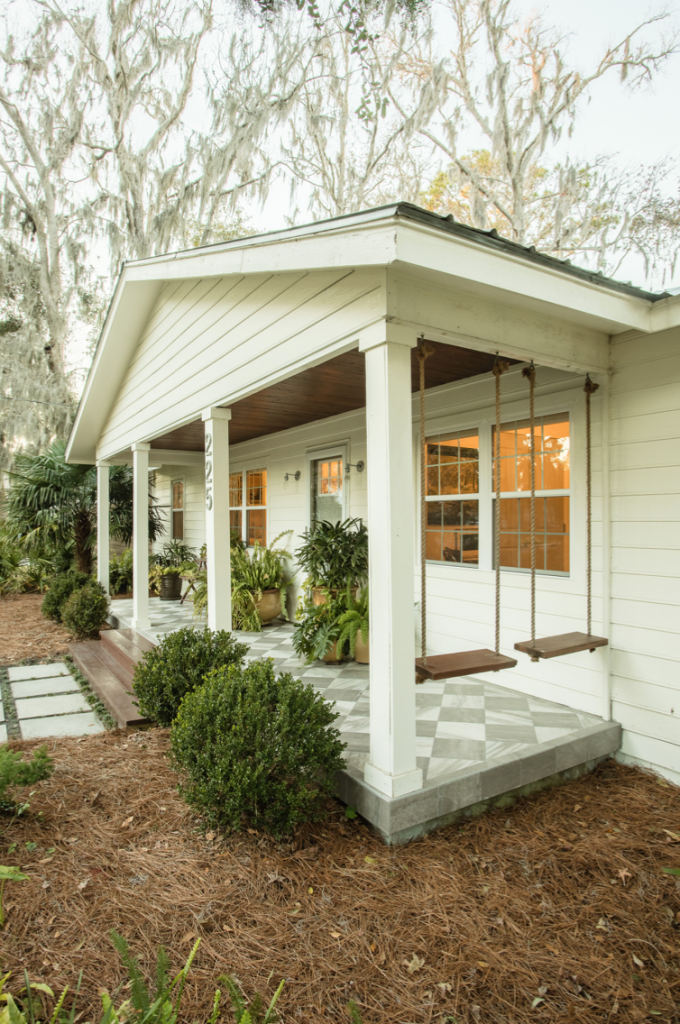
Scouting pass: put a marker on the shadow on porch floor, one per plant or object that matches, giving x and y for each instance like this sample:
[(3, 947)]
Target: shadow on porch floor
[(476, 741)]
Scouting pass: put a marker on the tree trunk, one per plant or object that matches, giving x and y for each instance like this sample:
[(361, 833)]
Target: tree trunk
[(83, 552)]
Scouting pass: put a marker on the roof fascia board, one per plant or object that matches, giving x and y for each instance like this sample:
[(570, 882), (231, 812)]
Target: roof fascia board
[(369, 245), (666, 313), (129, 311), (429, 248)]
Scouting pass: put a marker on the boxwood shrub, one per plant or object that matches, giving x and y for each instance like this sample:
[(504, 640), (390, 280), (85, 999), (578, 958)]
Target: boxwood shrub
[(59, 590), (85, 611), (256, 749), (177, 666)]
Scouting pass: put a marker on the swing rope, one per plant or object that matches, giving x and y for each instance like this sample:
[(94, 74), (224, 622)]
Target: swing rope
[(499, 367), (424, 350), (530, 373), (590, 388)]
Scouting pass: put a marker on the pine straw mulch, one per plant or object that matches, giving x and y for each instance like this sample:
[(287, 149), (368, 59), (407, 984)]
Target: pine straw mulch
[(25, 635), (559, 901)]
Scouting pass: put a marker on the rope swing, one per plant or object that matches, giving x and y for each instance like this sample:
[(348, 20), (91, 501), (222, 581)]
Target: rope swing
[(458, 663), (563, 643)]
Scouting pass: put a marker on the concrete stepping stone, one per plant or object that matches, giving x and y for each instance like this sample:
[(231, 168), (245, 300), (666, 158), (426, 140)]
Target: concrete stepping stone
[(44, 687), (85, 724), (39, 707), (18, 672)]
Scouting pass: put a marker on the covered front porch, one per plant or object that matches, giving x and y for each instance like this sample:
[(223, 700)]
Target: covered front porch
[(477, 743)]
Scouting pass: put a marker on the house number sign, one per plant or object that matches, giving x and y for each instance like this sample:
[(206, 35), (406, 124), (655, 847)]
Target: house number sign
[(208, 472)]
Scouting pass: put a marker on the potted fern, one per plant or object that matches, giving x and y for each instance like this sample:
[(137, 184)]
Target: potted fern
[(333, 555), (317, 635), (165, 574), (354, 627)]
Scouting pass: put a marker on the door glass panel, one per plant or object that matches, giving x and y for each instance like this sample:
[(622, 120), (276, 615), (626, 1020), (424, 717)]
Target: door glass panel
[(327, 482)]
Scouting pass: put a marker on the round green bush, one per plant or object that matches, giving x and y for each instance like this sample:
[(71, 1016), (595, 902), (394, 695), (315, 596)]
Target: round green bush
[(256, 749), (177, 666), (59, 590), (86, 610)]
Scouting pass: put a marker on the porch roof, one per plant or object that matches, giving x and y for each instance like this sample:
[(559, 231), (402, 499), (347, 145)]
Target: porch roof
[(433, 252)]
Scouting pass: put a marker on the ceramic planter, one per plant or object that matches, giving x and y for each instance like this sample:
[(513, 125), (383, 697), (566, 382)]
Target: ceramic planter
[(269, 605), (361, 650), (171, 587), (320, 594), (332, 657)]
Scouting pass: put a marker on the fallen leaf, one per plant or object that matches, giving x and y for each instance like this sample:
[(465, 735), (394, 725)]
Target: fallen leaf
[(674, 835), (187, 938), (46, 860), (373, 947), (444, 986), (668, 912), (45, 885), (482, 963), (307, 854), (336, 935), (252, 831), (602, 925), (73, 839), (127, 821), (415, 964), (210, 836), (624, 873), (577, 807), (662, 782), (553, 949), (82, 885), (636, 960), (671, 871), (369, 860), (206, 870), (476, 1011), (226, 928), (537, 1002)]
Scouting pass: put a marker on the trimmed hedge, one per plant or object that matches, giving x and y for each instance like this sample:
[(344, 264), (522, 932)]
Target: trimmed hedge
[(256, 749), (177, 666), (59, 590), (86, 610)]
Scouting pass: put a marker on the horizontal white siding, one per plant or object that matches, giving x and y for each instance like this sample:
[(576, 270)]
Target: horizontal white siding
[(645, 585), (212, 341)]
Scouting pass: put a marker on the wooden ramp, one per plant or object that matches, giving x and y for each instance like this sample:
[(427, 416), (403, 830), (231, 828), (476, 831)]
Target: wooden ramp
[(108, 665)]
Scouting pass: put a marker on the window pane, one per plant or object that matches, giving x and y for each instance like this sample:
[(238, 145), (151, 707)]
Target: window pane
[(551, 440), (178, 494), (452, 531), (256, 527), (256, 487), (552, 533), (235, 520), (177, 525), (453, 464), (326, 490), (235, 489), (556, 455)]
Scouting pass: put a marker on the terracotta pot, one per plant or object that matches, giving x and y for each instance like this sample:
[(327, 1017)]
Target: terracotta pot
[(171, 587), (361, 650), (320, 594), (269, 605), (332, 657)]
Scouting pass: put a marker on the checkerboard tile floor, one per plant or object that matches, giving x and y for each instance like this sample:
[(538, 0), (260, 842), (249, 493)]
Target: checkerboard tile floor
[(460, 723)]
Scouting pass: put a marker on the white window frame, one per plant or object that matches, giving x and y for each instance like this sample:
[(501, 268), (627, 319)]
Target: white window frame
[(178, 480), (250, 467), (569, 401), (339, 451), (477, 496)]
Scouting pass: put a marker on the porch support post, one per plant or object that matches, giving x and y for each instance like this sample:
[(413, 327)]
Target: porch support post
[(217, 533), (140, 536), (391, 524), (103, 524)]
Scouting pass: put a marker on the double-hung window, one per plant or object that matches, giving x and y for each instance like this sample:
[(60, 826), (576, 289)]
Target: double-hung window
[(452, 498), (248, 505), (552, 472), (177, 510)]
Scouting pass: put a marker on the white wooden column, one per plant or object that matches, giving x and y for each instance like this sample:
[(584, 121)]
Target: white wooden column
[(217, 534), (391, 524), (103, 510), (140, 536)]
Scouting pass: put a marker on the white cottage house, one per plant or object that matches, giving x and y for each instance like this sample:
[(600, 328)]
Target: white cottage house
[(261, 375)]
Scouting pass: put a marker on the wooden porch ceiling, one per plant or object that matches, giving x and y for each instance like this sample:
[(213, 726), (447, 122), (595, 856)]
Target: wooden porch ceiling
[(333, 387)]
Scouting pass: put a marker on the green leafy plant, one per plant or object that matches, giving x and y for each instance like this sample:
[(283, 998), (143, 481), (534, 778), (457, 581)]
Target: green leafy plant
[(8, 874), (59, 591), (335, 554), (319, 627), (54, 503), (177, 665), (120, 572), (256, 748), (15, 772), (252, 572), (86, 610), (251, 1011), (354, 621)]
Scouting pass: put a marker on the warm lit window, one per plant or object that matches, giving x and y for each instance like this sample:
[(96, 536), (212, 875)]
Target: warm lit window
[(551, 443), (452, 524), (327, 483), (177, 510), (248, 506)]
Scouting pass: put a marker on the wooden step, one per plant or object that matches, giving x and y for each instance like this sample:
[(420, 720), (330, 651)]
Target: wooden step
[(127, 646), (95, 664)]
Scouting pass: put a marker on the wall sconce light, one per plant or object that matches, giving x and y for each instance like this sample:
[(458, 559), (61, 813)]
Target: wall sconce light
[(359, 466), (295, 476)]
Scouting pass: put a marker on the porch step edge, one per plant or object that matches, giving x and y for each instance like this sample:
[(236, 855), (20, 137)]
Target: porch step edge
[(108, 687)]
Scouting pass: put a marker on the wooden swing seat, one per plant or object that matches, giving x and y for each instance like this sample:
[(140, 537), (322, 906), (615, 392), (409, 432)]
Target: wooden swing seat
[(462, 663), (564, 643)]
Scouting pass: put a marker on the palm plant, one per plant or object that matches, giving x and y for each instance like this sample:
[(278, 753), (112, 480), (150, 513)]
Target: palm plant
[(54, 504), (333, 554)]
